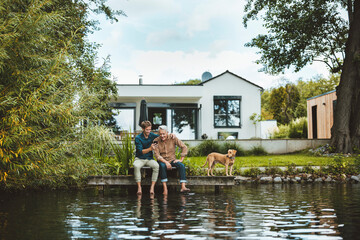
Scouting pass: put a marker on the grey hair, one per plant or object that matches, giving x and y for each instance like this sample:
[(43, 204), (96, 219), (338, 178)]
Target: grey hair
[(163, 127)]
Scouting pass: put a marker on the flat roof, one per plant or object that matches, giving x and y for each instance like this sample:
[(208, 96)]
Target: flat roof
[(321, 95)]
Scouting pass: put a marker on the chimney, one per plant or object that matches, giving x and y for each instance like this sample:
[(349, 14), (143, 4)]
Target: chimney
[(140, 80)]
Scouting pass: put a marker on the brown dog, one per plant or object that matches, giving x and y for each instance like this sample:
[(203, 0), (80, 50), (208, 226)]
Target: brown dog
[(224, 159)]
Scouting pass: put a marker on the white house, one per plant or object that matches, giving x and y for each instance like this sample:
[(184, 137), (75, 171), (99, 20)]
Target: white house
[(218, 107)]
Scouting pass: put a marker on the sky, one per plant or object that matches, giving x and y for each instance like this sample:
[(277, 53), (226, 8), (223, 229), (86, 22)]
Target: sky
[(172, 41)]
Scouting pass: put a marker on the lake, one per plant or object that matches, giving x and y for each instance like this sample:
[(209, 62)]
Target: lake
[(280, 211)]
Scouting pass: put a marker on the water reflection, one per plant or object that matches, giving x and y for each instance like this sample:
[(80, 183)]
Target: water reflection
[(244, 212)]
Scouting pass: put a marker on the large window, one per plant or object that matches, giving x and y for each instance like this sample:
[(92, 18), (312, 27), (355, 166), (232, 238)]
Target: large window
[(180, 118), (124, 120), (227, 111)]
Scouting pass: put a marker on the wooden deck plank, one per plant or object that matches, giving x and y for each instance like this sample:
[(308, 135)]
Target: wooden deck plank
[(114, 180)]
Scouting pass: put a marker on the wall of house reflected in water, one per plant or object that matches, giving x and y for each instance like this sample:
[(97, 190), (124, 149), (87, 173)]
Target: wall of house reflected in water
[(319, 211)]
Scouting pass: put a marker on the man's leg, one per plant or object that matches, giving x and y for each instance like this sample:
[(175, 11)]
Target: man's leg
[(163, 176), (155, 173), (182, 171), (138, 164)]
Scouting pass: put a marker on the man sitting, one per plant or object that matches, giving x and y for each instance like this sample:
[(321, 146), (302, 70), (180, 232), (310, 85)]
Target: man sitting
[(144, 155), (165, 154)]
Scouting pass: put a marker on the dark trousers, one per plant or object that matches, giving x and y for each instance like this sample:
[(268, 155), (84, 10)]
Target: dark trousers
[(180, 167)]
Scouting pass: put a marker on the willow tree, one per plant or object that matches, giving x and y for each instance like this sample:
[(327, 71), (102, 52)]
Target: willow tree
[(45, 65), (301, 32)]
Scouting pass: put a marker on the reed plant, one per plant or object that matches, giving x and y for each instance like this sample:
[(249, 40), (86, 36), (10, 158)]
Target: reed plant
[(124, 153)]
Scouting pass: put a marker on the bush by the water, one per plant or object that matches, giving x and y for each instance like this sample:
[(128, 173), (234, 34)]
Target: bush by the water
[(208, 146)]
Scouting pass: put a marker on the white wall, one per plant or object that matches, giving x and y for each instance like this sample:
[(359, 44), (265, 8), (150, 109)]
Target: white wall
[(266, 128), (230, 85), (273, 146)]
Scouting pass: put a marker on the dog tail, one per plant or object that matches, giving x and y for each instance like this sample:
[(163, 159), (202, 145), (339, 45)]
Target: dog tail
[(206, 161)]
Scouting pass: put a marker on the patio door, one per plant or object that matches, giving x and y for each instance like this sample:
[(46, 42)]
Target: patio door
[(157, 116), (314, 121)]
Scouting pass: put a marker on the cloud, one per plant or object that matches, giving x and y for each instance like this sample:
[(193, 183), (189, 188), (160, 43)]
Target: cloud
[(157, 38), (171, 41), (201, 16), (163, 67)]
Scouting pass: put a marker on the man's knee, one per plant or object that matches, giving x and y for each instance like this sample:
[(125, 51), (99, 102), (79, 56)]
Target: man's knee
[(154, 165), (180, 165), (162, 165), (137, 164)]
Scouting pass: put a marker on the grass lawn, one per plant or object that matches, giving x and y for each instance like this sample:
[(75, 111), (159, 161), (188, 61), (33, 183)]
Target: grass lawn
[(270, 160)]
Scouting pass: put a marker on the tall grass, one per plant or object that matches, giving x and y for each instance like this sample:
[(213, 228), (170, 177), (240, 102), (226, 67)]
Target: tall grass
[(124, 154)]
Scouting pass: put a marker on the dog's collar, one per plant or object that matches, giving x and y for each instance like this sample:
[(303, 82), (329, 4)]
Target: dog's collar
[(230, 157)]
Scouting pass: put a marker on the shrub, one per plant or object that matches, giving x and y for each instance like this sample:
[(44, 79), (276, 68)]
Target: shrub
[(257, 151), (296, 129), (272, 170), (193, 152), (342, 165), (233, 145), (194, 170), (281, 132), (207, 146), (93, 142), (291, 169), (309, 169), (252, 172)]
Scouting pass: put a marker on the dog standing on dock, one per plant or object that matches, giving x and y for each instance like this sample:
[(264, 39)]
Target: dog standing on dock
[(225, 159)]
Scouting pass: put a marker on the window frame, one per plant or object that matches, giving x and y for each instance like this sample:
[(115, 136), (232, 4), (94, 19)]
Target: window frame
[(227, 98)]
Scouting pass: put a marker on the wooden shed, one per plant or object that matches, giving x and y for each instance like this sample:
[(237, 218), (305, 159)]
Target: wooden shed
[(320, 115)]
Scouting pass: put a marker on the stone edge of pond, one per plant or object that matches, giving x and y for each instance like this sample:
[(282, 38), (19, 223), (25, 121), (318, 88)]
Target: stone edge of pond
[(300, 178)]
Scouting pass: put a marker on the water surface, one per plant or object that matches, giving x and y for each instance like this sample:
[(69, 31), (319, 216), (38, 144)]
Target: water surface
[(317, 211)]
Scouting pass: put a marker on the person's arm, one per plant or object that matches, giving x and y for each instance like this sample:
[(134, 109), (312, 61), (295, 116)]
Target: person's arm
[(183, 147), (139, 147)]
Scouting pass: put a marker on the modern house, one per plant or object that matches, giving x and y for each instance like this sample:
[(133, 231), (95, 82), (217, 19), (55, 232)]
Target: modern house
[(219, 107), (320, 114)]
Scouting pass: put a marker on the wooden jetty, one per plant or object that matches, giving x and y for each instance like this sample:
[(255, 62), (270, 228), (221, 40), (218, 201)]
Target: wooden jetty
[(173, 180)]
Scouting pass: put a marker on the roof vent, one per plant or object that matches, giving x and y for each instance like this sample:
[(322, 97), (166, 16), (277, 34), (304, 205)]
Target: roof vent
[(206, 76), (140, 80)]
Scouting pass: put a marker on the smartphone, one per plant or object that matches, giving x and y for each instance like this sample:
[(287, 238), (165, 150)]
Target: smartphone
[(155, 142)]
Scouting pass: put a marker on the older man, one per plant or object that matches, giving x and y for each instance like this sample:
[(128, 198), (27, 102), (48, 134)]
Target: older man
[(165, 154)]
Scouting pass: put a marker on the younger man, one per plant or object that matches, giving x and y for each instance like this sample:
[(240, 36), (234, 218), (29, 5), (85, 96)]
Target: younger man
[(144, 156)]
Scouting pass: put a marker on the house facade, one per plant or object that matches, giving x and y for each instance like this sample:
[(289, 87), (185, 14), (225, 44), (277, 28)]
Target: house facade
[(320, 114), (218, 108)]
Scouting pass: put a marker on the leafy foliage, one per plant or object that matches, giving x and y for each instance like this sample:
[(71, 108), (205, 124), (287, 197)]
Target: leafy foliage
[(297, 128), (300, 32), (124, 153), (274, 103), (48, 83), (190, 82)]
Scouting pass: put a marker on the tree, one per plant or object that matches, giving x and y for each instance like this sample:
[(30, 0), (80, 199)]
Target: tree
[(313, 87), (283, 103), (190, 82), (43, 79), (301, 32)]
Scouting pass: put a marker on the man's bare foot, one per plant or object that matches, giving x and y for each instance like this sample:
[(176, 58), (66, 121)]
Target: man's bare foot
[(184, 190), (139, 192)]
